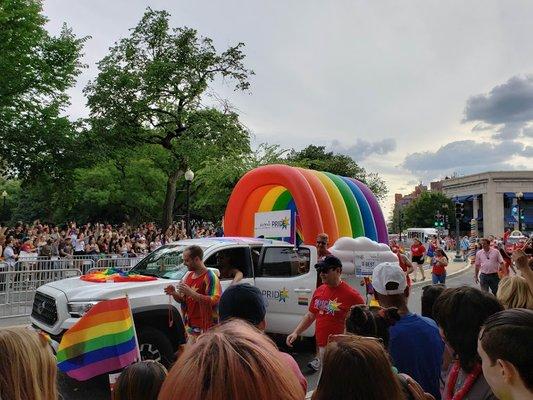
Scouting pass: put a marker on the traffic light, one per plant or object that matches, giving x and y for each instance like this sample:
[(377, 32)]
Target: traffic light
[(459, 210), (522, 214), (439, 220)]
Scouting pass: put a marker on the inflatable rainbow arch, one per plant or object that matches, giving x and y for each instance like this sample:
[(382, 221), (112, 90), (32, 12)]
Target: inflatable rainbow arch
[(320, 202)]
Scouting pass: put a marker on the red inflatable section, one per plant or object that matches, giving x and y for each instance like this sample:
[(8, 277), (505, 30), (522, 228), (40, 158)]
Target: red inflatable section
[(237, 222)]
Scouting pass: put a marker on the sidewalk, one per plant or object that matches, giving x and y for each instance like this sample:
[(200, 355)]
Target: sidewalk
[(452, 269)]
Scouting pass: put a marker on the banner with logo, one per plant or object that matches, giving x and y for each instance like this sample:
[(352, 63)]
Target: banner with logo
[(365, 262), (273, 224)]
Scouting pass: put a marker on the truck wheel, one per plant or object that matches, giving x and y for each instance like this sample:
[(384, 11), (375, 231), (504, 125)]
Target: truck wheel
[(155, 345)]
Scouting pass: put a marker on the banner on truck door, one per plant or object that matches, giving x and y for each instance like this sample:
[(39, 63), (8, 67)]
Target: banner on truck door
[(273, 224)]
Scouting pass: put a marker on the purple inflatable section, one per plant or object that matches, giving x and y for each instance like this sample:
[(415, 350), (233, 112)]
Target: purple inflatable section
[(381, 226)]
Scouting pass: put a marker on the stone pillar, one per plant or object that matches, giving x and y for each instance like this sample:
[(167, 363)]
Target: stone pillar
[(475, 206), (493, 218)]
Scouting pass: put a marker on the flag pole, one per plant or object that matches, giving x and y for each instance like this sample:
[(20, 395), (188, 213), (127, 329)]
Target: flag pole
[(134, 329)]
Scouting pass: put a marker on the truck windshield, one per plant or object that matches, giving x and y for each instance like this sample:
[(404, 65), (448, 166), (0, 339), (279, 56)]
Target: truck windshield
[(165, 262)]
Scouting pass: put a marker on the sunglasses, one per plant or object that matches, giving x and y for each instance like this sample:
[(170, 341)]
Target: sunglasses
[(347, 337), (321, 242)]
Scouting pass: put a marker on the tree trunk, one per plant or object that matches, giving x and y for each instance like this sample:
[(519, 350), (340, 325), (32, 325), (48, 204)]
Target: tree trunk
[(170, 197)]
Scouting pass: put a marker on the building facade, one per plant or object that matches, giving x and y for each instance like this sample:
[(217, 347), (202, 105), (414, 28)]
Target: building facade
[(494, 200)]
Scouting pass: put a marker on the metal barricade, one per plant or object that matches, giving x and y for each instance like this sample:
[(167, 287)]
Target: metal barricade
[(18, 288), (121, 263)]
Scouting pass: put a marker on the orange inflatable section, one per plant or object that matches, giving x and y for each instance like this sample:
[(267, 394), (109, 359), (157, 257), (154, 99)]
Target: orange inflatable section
[(269, 175), (329, 220)]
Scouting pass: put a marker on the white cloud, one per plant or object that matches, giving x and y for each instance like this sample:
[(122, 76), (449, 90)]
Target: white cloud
[(362, 149)]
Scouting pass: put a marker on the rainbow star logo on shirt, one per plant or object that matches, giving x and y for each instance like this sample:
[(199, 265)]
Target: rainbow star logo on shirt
[(283, 295), (333, 305)]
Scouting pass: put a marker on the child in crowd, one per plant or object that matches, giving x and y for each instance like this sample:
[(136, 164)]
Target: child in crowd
[(140, 381)]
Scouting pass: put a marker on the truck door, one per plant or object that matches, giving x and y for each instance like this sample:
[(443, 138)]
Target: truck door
[(287, 281)]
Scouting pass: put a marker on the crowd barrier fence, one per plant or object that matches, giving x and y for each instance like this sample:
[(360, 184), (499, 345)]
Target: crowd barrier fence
[(17, 288), (19, 280)]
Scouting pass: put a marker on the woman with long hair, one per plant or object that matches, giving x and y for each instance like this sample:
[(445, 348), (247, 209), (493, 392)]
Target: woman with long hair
[(28, 368), (514, 292), (232, 361), (357, 368)]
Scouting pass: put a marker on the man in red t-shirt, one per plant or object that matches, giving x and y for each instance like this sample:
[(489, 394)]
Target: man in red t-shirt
[(330, 303), (417, 256), (198, 292)]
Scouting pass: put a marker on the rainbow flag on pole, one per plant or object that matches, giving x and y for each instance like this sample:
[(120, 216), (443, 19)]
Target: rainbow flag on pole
[(103, 340)]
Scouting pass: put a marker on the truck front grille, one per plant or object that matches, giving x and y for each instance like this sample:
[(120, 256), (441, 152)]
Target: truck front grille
[(44, 309)]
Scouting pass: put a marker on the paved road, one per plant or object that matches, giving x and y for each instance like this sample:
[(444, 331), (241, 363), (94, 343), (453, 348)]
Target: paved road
[(98, 388)]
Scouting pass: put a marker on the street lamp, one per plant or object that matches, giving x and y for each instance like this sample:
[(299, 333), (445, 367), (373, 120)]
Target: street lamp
[(4, 196), (519, 196), (189, 176)]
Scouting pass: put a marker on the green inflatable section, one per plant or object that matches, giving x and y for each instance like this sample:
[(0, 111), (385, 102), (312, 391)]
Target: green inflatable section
[(356, 219)]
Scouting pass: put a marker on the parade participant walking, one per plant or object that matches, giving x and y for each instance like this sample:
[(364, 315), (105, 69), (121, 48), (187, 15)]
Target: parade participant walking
[(322, 241), (330, 303), (440, 262), (198, 292), (405, 264), (488, 263), (415, 345), (417, 256)]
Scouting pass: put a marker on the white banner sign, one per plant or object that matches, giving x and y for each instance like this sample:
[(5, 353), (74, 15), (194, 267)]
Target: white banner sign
[(365, 262), (273, 224)]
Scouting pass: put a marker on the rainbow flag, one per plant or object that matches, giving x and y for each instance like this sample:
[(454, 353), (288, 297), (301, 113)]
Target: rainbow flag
[(103, 340)]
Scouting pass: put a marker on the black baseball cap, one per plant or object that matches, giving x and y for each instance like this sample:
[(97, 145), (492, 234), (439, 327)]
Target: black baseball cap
[(327, 263), (242, 301)]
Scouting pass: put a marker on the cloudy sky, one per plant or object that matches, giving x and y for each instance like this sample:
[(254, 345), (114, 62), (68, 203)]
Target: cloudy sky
[(413, 90)]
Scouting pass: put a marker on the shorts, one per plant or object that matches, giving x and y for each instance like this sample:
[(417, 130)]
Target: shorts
[(418, 259)]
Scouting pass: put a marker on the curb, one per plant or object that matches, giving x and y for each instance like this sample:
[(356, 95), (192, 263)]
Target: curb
[(416, 284)]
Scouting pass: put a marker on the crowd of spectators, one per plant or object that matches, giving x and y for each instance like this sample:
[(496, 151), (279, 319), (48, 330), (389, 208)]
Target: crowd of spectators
[(469, 344), (48, 240)]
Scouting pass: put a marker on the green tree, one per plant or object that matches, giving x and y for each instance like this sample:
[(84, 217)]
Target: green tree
[(421, 212), (36, 70), (316, 157), (149, 91), (125, 189)]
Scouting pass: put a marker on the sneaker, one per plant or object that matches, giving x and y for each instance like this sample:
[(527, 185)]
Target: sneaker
[(314, 364)]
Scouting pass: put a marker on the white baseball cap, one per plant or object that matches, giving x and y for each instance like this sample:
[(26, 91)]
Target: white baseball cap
[(386, 273)]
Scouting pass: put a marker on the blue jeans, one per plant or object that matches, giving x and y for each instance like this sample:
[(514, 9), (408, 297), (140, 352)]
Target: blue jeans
[(438, 278), (489, 281)]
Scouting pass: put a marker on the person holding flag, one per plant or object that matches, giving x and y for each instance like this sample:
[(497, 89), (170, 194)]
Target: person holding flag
[(198, 293)]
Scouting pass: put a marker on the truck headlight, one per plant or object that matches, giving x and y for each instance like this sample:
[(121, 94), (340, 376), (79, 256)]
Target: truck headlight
[(78, 309)]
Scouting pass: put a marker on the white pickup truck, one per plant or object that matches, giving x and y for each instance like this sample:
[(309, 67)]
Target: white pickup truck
[(284, 274)]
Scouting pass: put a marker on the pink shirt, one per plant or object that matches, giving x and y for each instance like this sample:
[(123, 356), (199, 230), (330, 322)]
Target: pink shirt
[(488, 262)]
